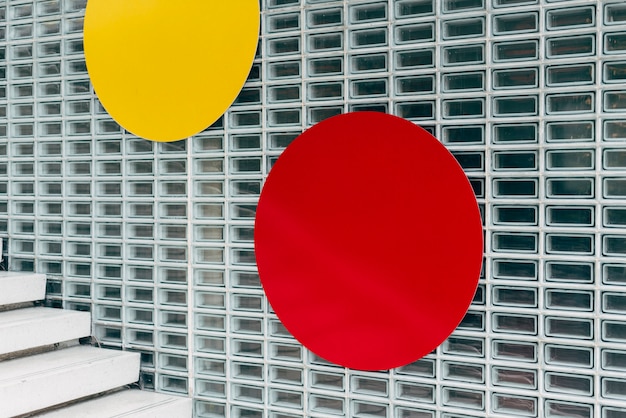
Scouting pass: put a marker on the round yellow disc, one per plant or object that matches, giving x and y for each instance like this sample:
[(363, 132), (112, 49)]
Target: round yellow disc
[(166, 70)]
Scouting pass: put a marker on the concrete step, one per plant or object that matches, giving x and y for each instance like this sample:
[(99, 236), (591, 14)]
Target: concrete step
[(32, 383), (127, 403), (23, 329), (17, 287)]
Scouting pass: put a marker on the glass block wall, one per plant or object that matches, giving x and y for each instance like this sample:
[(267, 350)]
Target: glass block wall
[(155, 239)]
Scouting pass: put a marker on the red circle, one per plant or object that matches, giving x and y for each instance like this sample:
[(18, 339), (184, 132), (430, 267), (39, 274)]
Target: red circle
[(368, 241)]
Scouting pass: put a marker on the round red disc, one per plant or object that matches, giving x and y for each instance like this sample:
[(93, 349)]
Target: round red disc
[(368, 241)]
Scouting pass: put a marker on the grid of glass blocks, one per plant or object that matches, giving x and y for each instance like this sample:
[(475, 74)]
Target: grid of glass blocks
[(156, 239)]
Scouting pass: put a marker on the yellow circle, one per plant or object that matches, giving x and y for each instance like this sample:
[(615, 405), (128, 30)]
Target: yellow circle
[(166, 70)]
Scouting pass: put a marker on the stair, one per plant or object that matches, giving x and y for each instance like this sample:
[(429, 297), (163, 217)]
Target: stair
[(19, 288), (44, 372), (127, 403), (61, 376), (29, 328)]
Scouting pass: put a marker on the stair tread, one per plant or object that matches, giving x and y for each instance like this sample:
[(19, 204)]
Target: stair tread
[(7, 274), (8, 318), (127, 403)]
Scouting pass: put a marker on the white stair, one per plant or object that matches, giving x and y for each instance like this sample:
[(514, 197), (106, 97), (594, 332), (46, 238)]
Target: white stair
[(61, 376), (21, 287), (56, 382), (23, 329), (128, 403)]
